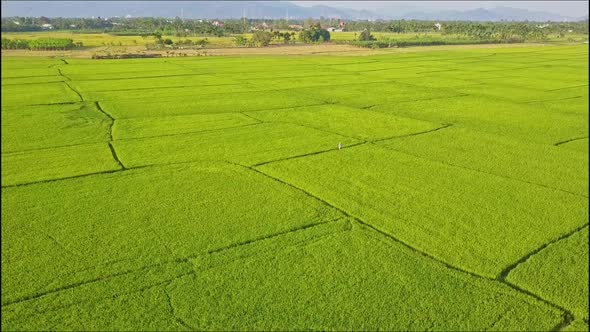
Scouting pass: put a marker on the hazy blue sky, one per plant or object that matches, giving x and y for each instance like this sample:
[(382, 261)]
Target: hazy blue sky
[(566, 8), (559, 9)]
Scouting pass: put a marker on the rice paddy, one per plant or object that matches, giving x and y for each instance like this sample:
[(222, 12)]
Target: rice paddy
[(211, 193)]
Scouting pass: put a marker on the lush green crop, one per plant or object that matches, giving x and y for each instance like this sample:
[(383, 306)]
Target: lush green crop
[(345, 280), (467, 218), (211, 193), (38, 94), (246, 145), (176, 125), (577, 325), (56, 163), (166, 81), (30, 72), (34, 80), (188, 102), (210, 207), (13, 63), (526, 122), (62, 125), (539, 164), (347, 121), (559, 273)]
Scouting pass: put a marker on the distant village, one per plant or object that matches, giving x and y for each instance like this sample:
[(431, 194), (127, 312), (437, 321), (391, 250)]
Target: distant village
[(181, 27)]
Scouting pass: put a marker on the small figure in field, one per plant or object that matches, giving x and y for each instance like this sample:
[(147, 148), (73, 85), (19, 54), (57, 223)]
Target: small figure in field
[(339, 146)]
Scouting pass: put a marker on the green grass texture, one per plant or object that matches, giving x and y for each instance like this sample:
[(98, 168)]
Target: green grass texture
[(438, 189)]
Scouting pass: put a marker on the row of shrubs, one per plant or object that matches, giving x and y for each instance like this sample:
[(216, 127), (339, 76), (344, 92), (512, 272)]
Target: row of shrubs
[(44, 44), (423, 42)]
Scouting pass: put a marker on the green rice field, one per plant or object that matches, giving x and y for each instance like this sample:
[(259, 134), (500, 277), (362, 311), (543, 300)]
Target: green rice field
[(432, 190), (106, 39)]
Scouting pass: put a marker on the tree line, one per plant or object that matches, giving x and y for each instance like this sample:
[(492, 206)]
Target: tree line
[(314, 34), (454, 33), (193, 27), (42, 44)]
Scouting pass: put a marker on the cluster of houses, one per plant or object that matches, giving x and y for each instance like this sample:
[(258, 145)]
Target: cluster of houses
[(218, 24), (297, 27), (341, 26)]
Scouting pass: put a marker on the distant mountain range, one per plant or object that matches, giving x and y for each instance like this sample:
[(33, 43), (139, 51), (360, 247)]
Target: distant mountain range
[(253, 9), (494, 14)]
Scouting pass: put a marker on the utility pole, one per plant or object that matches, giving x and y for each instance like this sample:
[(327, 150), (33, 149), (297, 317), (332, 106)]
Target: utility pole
[(182, 14)]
